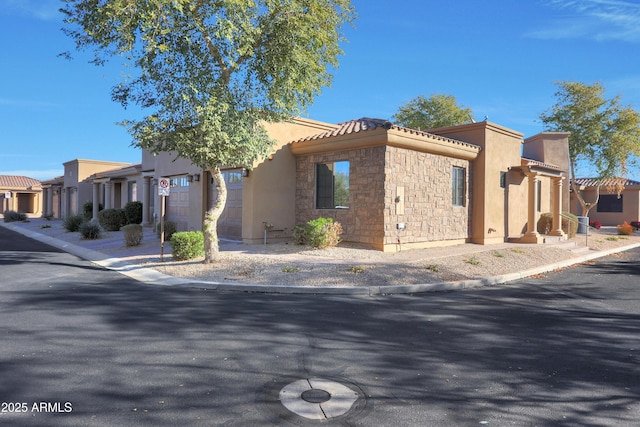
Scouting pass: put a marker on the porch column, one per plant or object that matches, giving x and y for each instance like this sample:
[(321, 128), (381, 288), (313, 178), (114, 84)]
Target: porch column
[(146, 185), (532, 235), (49, 209), (64, 203), (107, 194), (556, 224), (96, 201)]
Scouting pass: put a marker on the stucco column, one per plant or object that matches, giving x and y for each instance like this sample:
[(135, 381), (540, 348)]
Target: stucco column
[(64, 192), (96, 202), (146, 185), (107, 195), (532, 235), (49, 209), (556, 225)]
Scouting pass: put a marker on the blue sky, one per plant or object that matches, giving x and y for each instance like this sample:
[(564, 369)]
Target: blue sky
[(498, 57)]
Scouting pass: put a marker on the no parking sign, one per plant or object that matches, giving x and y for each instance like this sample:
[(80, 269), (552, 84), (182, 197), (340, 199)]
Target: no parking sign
[(164, 187)]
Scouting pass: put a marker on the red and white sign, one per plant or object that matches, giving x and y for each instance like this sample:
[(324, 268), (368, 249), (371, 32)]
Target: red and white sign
[(164, 186)]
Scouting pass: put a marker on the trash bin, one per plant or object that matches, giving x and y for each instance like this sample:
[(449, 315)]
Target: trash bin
[(583, 224)]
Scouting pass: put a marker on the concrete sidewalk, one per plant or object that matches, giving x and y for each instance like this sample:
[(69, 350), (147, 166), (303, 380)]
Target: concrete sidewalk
[(110, 252)]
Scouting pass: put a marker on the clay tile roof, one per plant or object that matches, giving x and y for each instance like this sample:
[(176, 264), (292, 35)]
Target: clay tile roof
[(592, 182), (538, 163), (369, 124), (13, 181)]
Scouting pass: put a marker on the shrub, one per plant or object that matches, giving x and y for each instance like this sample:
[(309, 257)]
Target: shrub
[(72, 222), (546, 220), (133, 212), (187, 245), (169, 229), (132, 234), (87, 210), (90, 230), (625, 229), (11, 216), (595, 224), (112, 219), (319, 233)]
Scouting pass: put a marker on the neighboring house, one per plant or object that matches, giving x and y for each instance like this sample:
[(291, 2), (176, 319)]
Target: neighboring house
[(612, 209), (64, 196), (391, 187), (21, 194)]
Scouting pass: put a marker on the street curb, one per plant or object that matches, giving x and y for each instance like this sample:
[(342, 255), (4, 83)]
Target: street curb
[(153, 277)]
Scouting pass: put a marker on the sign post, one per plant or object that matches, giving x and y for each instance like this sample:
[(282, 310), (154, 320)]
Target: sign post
[(164, 187)]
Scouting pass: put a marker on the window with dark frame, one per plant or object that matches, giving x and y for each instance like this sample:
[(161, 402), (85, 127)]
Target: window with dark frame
[(332, 185), (610, 203), (458, 181)]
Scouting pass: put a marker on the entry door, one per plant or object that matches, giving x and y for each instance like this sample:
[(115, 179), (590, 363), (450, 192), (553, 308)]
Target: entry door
[(230, 222)]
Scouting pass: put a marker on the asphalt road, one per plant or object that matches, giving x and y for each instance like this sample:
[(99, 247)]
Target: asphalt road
[(81, 346)]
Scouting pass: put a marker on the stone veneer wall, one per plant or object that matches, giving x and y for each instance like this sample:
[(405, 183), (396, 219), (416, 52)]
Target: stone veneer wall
[(363, 221), (429, 214)]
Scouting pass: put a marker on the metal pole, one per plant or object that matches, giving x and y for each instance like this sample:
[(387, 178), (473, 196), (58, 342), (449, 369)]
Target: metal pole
[(162, 198)]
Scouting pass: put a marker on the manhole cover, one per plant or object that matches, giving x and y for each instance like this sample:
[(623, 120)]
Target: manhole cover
[(318, 398)]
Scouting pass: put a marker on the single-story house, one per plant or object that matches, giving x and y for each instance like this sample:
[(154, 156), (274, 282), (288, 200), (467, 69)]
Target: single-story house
[(390, 187), (21, 194), (612, 208), (65, 195)]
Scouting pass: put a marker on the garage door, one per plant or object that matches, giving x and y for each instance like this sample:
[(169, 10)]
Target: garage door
[(178, 203), (230, 222)]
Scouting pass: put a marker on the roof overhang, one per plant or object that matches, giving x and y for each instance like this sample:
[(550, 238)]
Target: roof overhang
[(422, 142)]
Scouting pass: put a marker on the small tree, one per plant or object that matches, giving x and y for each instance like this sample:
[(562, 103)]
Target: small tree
[(433, 112), (211, 72), (604, 134)]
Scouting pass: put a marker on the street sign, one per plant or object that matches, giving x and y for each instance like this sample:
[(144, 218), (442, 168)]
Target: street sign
[(164, 186)]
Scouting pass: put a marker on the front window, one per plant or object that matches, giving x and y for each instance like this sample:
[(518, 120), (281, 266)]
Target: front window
[(609, 203), (458, 186), (332, 185)]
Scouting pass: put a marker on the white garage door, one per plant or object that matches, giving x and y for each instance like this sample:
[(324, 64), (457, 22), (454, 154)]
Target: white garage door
[(178, 203)]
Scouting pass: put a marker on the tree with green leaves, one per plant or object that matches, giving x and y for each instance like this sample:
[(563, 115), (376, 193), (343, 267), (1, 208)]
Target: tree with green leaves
[(604, 134), (434, 112), (210, 73)]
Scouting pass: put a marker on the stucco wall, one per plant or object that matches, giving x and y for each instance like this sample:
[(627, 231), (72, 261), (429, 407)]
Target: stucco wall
[(426, 208), (630, 206)]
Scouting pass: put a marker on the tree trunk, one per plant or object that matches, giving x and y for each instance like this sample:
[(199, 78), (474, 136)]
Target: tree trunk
[(586, 207), (210, 223)]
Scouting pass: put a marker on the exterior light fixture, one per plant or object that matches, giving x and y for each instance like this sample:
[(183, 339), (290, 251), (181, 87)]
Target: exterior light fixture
[(245, 172), (196, 177)]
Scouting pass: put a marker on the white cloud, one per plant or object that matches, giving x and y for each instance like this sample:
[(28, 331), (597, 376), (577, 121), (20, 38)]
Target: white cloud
[(46, 10), (36, 174), (600, 20)]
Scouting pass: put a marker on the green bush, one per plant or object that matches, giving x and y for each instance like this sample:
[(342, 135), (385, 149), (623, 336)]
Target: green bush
[(187, 245), (133, 212), (112, 219), (132, 234), (11, 216), (319, 233), (72, 222), (169, 229), (546, 220), (90, 230), (87, 210)]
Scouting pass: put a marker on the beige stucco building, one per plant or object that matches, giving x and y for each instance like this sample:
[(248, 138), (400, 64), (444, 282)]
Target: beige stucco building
[(612, 208), (390, 187), (21, 194)]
